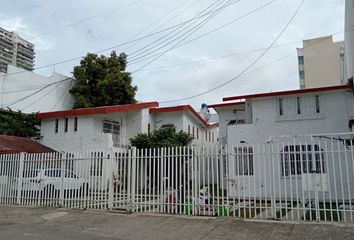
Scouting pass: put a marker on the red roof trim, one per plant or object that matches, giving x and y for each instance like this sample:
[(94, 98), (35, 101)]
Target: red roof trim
[(180, 108), (96, 110), (226, 104), (299, 91)]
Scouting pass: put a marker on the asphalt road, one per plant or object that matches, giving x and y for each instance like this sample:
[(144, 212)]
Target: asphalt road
[(55, 223)]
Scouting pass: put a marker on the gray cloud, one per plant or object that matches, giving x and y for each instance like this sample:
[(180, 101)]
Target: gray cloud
[(256, 31)]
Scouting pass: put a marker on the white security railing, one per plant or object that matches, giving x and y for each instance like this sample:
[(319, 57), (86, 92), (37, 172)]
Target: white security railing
[(295, 178)]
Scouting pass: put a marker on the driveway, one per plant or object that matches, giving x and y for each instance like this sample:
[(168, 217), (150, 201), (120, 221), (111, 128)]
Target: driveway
[(55, 223)]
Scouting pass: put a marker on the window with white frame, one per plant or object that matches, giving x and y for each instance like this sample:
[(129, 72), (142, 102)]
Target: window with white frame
[(112, 128), (244, 161), (299, 159)]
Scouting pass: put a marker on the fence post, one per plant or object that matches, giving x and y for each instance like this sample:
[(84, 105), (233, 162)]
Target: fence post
[(272, 193), (20, 177), (314, 180), (132, 177), (110, 180), (62, 175)]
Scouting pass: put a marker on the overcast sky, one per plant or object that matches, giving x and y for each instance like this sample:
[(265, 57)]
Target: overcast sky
[(67, 29)]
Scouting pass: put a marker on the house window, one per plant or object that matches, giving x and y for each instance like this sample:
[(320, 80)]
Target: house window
[(244, 161), (206, 136), (317, 102), (149, 128), (301, 59), (209, 136), (297, 159), (75, 124), (189, 129), (193, 131), (56, 125), (197, 133), (66, 124), (111, 127), (302, 75), (114, 129), (212, 136), (298, 105), (280, 106)]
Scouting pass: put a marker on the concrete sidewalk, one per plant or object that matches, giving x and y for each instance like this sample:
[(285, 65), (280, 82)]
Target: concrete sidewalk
[(56, 223)]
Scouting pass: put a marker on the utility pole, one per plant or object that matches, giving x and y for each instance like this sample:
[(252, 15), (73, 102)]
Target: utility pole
[(349, 37)]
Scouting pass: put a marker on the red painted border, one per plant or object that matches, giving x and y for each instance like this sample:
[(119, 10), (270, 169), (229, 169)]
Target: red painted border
[(291, 92), (96, 110)]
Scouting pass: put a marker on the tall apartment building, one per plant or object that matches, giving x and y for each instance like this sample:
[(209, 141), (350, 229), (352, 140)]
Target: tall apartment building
[(16, 51), (321, 63)]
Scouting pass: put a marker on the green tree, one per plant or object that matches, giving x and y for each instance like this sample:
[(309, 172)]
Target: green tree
[(19, 124), (103, 81), (163, 137)]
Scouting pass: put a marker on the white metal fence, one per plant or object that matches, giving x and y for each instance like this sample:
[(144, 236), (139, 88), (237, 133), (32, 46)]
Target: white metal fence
[(295, 178)]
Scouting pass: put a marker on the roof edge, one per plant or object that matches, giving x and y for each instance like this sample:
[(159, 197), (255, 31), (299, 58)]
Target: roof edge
[(96, 110), (180, 108), (220, 105), (289, 92)]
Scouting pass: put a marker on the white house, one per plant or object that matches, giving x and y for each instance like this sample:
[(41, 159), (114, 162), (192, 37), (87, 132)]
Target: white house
[(290, 145), (94, 128), (30, 92), (109, 128), (185, 118)]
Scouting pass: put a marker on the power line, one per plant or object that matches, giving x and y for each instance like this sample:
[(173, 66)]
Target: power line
[(41, 97), (167, 36), (115, 46), (84, 20), (193, 30), (215, 58), (248, 67), (36, 92), (213, 30), (158, 20)]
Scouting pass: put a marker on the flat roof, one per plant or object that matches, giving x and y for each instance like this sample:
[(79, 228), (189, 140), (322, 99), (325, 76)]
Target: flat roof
[(290, 92), (96, 110), (220, 105)]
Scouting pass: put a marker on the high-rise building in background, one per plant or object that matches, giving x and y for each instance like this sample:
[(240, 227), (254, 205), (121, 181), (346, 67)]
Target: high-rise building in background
[(16, 51), (321, 63)]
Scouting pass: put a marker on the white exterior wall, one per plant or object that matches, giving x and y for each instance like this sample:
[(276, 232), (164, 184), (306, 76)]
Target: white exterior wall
[(89, 135), (336, 109), (227, 114), (18, 83), (175, 118), (181, 120)]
